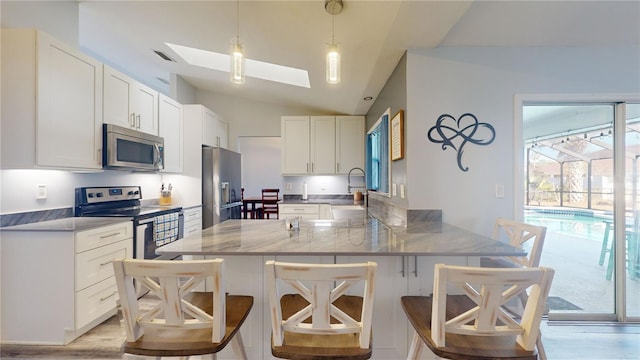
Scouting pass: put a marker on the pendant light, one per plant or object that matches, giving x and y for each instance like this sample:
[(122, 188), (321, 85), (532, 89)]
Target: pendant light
[(333, 7), (237, 72)]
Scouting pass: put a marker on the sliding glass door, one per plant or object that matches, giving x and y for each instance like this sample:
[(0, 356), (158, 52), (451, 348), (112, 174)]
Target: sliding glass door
[(573, 185)]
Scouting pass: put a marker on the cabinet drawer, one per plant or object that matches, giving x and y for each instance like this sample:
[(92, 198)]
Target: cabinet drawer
[(90, 239), (95, 265), (194, 214), (192, 228), (95, 301), (300, 209)]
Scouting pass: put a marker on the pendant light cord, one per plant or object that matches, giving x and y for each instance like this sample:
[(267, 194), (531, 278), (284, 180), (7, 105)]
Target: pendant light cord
[(333, 17), (238, 21)]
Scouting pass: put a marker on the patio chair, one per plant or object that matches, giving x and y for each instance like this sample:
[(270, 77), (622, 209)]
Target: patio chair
[(475, 325)]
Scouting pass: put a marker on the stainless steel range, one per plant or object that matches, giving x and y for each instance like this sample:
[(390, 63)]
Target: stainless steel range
[(154, 225)]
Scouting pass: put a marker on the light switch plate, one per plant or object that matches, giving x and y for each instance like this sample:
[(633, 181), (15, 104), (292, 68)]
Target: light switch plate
[(41, 191), (499, 190), (402, 191), (394, 189)]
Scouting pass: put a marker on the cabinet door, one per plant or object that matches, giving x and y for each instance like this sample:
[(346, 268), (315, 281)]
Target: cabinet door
[(69, 115), (214, 129), (170, 119), (145, 106), (350, 145), (295, 144), (390, 325), (117, 97), (323, 145)]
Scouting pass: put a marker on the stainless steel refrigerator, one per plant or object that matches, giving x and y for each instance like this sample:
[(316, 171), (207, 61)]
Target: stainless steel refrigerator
[(221, 185)]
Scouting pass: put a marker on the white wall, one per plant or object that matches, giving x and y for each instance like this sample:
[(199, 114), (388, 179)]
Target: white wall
[(484, 81), (248, 117), (18, 187)]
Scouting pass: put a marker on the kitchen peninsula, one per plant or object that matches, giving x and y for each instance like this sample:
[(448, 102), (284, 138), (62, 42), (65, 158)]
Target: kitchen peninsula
[(405, 258)]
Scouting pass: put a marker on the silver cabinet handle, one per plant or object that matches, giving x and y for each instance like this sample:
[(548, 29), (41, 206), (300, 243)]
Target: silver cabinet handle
[(110, 235), (108, 296), (402, 271), (132, 120), (138, 121), (415, 264), (106, 263)]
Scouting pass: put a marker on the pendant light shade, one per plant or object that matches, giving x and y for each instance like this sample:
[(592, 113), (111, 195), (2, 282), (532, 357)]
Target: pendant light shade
[(333, 7), (237, 73), (333, 65), (237, 63)]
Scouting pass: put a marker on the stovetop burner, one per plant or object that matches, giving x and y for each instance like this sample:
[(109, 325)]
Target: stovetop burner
[(120, 201)]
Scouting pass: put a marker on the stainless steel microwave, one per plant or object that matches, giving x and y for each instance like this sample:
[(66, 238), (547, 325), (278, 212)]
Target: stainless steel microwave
[(127, 149)]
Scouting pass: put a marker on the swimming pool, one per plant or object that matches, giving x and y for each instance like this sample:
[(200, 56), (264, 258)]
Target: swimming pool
[(569, 224)]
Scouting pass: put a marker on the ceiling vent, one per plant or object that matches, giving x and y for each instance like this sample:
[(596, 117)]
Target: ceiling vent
[(163, 55)]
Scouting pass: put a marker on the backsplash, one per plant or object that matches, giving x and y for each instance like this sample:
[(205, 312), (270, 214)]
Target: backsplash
[(34, 216)]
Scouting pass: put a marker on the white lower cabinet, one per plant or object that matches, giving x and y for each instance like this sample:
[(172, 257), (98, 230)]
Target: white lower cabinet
[(306, 211), (57, 285), (192, 220)]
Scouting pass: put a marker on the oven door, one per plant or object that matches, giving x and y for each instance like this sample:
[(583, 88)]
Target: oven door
[(146, 245)]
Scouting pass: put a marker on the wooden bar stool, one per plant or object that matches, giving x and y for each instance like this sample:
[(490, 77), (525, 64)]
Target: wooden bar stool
[(184, 322), (270, 198), (474, 325), (319, 320)]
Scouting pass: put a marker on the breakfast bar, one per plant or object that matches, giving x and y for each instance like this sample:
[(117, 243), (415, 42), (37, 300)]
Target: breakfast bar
[(405, 258)]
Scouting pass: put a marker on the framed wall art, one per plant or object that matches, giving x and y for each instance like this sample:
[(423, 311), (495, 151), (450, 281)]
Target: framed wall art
[(397, 136)]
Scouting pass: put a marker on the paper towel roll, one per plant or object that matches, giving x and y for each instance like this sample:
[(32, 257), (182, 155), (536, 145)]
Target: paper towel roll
[(304, 191)]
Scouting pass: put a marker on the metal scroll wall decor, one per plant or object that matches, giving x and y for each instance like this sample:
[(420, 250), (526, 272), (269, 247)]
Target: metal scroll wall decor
[(466, 129)]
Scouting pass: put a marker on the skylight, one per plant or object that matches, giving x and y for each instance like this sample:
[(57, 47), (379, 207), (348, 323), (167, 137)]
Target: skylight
[(257, 69)]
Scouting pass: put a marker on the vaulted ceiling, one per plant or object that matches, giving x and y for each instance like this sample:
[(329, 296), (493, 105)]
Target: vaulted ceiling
[(372, 37)]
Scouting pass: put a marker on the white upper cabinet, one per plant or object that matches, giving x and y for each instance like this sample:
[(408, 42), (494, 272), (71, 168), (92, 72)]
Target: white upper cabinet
[(214, 129), (350, 146), (51, 104), (129, 103), (171, 129), (294, 131), (321, 145)]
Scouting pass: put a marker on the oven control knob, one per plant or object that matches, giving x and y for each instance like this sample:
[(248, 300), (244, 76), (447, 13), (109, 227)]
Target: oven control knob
[(90, 195), (99, 195)]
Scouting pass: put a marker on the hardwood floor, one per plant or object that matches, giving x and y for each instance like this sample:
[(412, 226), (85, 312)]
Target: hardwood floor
[(561, 341)]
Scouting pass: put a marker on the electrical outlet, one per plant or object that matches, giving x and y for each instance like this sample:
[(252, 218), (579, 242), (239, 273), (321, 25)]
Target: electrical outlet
[(402, 191), (41, 191), (499, 190), (394, 189), (289, 186)]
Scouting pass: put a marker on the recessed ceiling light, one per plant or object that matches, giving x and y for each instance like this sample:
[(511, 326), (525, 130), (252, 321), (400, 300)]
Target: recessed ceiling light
[(257, 69), (367, 98)]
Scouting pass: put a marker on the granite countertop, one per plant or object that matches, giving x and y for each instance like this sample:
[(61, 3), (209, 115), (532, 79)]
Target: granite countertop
[(68, 224), (334, 237)]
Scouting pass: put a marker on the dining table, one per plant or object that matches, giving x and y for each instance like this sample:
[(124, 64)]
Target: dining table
[(250, 206)]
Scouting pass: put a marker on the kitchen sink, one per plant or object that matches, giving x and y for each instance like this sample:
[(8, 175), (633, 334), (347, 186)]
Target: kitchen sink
[(351, 212)]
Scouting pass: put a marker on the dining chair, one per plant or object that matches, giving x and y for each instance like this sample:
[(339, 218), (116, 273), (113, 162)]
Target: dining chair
[(474, 325), (183, 322), (270, 198), (312, 315), (521, 235)]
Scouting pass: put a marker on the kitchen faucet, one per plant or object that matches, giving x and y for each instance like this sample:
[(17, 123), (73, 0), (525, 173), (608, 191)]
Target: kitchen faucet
[(349, 187)]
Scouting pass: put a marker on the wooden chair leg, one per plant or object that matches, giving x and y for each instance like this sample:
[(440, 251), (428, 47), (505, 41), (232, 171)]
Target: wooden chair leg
[(542, 355), (416, 347), (238, 346)]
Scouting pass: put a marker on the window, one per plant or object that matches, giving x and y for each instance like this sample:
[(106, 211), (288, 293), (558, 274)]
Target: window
[(378, 172)]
